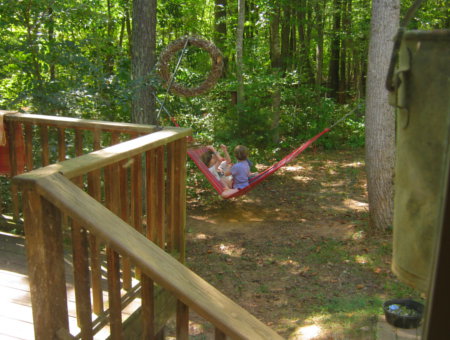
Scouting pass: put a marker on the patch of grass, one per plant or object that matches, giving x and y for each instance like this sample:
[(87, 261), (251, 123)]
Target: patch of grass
[(326, 251)]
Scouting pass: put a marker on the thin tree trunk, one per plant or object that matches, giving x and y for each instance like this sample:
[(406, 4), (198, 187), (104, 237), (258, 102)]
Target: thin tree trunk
[(240, 53), (51, 43), (143, 60), (380, 123), (319, 52), (346, 19), (286, 53), (275, 57), (333, 74), (220, 28)]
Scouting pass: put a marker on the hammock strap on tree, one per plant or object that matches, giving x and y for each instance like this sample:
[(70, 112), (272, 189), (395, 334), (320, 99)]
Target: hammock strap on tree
[(195, 155)]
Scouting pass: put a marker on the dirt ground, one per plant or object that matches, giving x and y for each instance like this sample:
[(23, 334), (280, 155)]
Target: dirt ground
[(295, 251)]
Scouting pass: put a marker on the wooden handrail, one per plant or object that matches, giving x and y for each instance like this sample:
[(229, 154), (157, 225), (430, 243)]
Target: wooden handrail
[(86, 124), (98, 159), (166, 271)]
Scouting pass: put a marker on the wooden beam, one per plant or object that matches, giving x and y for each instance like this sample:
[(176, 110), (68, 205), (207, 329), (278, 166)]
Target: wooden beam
[(44, 244), (166, 271)]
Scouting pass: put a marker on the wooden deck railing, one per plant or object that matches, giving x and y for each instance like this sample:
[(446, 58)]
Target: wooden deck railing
[(95, 205), (51, 139)]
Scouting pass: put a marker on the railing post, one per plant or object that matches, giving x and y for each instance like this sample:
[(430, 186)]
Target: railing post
[(44, 243), (182, 321), (13, 148)]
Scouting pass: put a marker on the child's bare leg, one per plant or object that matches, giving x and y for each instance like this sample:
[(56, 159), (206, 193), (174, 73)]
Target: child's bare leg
[(227, 183), (228, 192)]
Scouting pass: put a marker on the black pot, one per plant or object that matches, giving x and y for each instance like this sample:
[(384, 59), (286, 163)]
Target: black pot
[(403, 321)]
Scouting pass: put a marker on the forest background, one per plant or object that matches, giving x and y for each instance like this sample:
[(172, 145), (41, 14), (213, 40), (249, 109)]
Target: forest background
[(304, 65)]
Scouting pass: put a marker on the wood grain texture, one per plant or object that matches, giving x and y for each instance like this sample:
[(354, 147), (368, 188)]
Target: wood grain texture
[(85, 124), (182, 329), (166, 271), (45, 266)]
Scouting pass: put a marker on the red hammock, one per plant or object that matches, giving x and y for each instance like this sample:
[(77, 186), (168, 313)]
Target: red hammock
[(195, 155)]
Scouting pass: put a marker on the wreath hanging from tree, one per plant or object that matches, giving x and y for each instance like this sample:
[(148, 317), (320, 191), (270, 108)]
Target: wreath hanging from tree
[(180, 44)]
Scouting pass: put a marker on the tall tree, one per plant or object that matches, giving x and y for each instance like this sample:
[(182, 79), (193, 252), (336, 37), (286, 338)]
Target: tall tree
[(335, 49), (143, 59), (380, 124), (319, 7), (240, 53), (220, 28), (276, 64)]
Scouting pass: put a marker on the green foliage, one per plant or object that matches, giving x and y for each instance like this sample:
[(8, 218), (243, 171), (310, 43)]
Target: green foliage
[(72, 58)]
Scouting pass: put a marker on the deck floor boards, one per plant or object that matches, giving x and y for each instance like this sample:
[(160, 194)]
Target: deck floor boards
[(16, 319)]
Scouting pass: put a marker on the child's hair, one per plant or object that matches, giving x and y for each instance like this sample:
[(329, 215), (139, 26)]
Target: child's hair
[(206, 157), (241, 152)]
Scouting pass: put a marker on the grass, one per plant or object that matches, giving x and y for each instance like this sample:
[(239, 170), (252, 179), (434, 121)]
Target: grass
[(298, 271)]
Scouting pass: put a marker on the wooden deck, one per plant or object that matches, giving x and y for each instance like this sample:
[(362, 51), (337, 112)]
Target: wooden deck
[(16, 320)]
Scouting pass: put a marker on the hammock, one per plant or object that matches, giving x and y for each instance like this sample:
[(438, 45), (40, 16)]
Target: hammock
[(195, 155)]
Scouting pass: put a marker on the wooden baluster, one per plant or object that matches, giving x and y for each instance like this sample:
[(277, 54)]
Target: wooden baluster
[(180, 154), (148, 307), (113, 263), (44, 145), (182, 321), (29, 146), (10, 127), (125, 215), (61, 144), (136, 192), (81, 261), (122, 210), (171, 181), (94, 190), (136, 197), (160, 197), (115, 306), (151, 195), (148, 293), (81, 280), (45, 253)]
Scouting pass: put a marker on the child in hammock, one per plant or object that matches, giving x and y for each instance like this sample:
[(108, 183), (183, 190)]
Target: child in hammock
[(239, 171), (218, 165)]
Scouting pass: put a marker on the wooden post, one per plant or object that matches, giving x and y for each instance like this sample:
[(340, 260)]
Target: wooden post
[(44, 243), (180, 221), (61, 144), (171, 179), (148, 308), (13, 168), (81, 280), (182, 321), (113, 261), (44, 145)]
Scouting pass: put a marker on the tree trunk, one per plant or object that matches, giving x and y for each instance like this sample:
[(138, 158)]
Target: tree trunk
[(380, 121), (286, 53), (143, 61), (240, 53), (275, 58), (343, 76), (318, 7), (333, 74), (220, 28), (51, 44)]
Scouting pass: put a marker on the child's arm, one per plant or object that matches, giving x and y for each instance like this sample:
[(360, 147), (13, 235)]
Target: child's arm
[(225, 152)]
